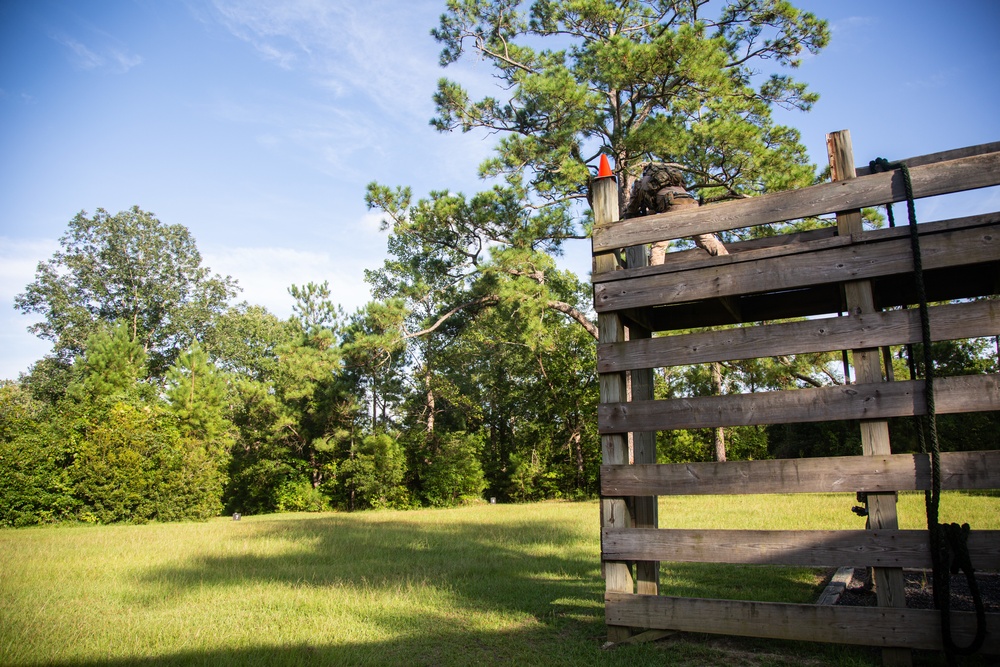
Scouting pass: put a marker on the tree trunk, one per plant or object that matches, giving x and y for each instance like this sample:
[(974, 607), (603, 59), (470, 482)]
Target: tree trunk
[(720, 434)]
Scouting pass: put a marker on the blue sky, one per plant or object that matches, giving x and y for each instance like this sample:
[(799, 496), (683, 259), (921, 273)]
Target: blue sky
[(257, 124)]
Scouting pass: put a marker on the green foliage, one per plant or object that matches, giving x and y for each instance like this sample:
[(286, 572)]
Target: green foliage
[(452, 474), (130, 464), (243, 341), (196, 394), (373, 477), (112, 364), (130, 268), (639, 80), (300, 496), (33, 484)]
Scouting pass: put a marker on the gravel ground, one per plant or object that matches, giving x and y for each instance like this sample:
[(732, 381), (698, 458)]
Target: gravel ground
[(919, 595)]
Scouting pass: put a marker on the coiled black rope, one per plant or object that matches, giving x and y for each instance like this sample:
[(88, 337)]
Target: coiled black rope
[(949, 542)]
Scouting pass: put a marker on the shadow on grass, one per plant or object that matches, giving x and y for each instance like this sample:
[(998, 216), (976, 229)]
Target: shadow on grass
[(382, 589)]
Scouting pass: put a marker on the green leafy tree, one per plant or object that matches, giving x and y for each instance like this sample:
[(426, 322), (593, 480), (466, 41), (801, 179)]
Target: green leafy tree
[(131, 464), (33, 483), (243, 341), (130, 268), (196, 393), (675, 81), (112, 364), (373, 477), (453, 474), (315, 408), (375, 358)]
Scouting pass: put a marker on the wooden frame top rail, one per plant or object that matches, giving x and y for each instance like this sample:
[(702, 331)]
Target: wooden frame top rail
[(967, 173), (943, 156), (835, 474)]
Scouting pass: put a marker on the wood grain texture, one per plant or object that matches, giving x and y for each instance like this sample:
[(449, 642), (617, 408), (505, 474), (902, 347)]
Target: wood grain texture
[(809, 548), (970, 393), (830, 265), (614, 447), (773, 247), (839, 474), (898, 327), (864, 626), (967, 173), (943, 156)]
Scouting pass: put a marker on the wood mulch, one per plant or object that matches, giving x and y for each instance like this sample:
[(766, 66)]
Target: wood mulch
[(920, 595)]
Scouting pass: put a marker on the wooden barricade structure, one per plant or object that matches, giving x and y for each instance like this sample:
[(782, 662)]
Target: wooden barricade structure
[(787, 293)]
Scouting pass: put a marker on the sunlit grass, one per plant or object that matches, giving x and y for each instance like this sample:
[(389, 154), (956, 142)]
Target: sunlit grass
[(504, 584)]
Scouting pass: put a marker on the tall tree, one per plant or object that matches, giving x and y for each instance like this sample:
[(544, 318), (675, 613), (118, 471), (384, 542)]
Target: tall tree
[(316, 410), (668, 80), (131, 268), (197, 394)]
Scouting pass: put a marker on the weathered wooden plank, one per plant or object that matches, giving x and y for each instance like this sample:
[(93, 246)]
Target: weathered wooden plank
[(808, 548), (839, 474), (784, 245), (862, 626), (890, 588), (971, 393), (943, 156), (614, 447), (645, 508), (898, 327), (928, 180), (838, 264)]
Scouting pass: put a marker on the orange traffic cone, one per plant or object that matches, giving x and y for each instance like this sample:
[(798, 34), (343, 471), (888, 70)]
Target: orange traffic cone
[(604, 170)]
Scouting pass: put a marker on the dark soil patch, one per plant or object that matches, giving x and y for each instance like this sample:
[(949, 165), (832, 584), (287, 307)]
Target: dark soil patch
[(920, 594)]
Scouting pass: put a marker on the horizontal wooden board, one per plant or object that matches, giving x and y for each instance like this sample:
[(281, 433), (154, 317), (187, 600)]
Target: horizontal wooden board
[(808, 548), (862, 626), (928, 180), (882, 400), (838, 474), (790, 244), (948, 322), (943, 156), (830, 265)]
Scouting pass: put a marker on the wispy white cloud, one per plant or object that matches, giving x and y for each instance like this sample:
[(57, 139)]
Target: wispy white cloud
[(379, 50), (18, 260), (266, 273), (81, 56), (112, 57)]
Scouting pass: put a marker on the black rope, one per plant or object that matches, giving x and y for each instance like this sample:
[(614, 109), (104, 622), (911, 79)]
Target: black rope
[(949, 542)]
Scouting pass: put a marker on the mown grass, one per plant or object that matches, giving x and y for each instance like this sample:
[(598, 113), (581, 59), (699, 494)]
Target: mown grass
[(489, 585)]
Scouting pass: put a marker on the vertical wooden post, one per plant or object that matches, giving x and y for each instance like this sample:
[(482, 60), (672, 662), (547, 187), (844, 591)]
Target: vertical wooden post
[(647, 573), (889, 585), (614, 448)]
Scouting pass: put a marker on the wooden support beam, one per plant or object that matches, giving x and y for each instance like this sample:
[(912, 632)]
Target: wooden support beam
[(860, 626), (898, 327), (838, 474), (966, 173), (872, 400), (645, 508), (835, 264), (614, 447), (890, 588), (807, 548)]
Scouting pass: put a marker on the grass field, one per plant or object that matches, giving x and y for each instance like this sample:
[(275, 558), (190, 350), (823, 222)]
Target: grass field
[(481, 585)]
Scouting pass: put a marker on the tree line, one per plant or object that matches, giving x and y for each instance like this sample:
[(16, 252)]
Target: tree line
[(470, 374)]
